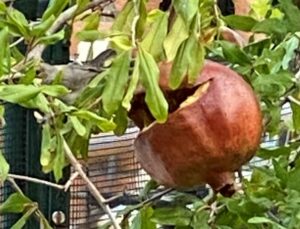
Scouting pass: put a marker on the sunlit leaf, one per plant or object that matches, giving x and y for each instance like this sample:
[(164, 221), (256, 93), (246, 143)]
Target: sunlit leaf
[(4, 168), (187, 9), (54, 8), (154, 38), (149, 74), (244, 23), (175, 37), (116, 83), (15, 203)]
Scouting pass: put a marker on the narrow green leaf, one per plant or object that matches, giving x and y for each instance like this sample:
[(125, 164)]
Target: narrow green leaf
[(54, 90), (196, 59), (132, 86), (79, 128), (53, 38), (280, 172), (155, 99), (175, 37), (17, 19), (180, 66), (59, 160), (92, 21), (187, 9), (292, 14), (177, 216), (104, 124), (54, 8), (22, 221), (121, 121), (244, 23), (124, 18), (271, 26), (18, 93), (296, 116), (142, 219), (15, 203), (46, 145), (89, 35), (200, 220), (4, 168), (234, 54), (3, 7), (4, 51), (41, 28), (142, 11), (154, 38), (263, 220), (116, 83)]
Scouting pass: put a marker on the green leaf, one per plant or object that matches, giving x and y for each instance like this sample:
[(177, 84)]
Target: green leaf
[(280, 172), (22, 221), (54, 8), (274, 153), (180, 65), (79, 128), (154, 38), (142, 11), (271, 26), (92, 21), (46, 145), (296, 115), (116, 83), (124, 18), (89, 35), (15, 203), (234, 54), (186, 9), (273, 85), (54, 90), (18, 93), (244, 23), (4, 51), (41, 28), (290, 46), (142, 219), (121, 121), (263, 220), (149, 74), (102, 123), (200, 220), (17, 19), (178, 216), (132, 86), (59, 160), (292, 14), (53, 38), (3, 8), (4, 168), (196, 59), (39, 102), (175, 37), (150, 185), (121, 42)]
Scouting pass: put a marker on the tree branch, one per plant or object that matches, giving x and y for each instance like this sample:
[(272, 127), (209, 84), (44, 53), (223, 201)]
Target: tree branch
[(36, 180), (92, 188)]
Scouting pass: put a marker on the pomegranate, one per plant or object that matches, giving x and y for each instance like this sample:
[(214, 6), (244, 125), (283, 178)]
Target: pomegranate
[(213, 128)]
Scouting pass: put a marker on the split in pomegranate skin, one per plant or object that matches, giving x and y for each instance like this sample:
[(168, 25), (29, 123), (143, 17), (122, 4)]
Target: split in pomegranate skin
[(214, 127)]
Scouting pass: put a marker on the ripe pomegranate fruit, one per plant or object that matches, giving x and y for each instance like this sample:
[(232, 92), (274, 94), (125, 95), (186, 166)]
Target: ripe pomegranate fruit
[(213, 128)]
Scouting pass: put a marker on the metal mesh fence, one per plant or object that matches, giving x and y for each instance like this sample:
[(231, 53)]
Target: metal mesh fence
[(113, 168)]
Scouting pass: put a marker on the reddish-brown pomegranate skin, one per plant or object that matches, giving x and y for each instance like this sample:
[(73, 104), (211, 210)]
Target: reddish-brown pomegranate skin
[(206, 141)]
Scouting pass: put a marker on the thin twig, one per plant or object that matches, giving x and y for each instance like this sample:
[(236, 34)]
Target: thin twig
[(92, 188), (36, 180), (293, 100), (16, 42), (70, 181)]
